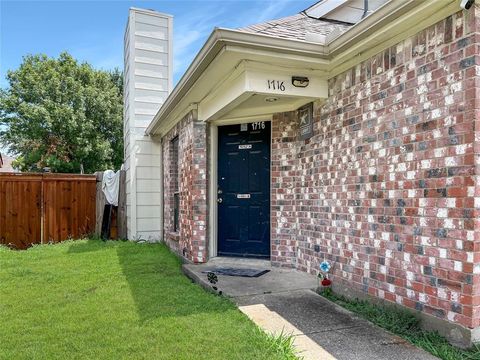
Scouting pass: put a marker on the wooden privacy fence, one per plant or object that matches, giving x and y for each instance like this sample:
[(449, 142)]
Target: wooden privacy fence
[(42, 208)]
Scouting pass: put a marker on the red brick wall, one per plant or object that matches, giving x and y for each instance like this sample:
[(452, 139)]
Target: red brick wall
[(284, 189), (385, 189), (190, 240)]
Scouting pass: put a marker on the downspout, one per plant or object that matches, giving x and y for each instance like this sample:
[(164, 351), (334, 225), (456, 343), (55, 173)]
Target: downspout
[(365, 8)]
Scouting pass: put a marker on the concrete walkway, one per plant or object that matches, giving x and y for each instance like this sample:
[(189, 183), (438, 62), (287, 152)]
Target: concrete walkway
[(283, 300)]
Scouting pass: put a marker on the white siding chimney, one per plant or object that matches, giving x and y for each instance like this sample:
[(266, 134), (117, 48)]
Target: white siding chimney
[(147, 82)]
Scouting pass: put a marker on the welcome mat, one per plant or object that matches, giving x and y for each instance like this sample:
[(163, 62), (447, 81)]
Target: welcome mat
[(237, 272)]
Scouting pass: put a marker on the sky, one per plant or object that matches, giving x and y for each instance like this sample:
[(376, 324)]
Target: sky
[(92, 31)]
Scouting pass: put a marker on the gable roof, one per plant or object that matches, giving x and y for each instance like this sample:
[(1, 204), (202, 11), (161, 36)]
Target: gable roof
[(297, 27), (332, 55)]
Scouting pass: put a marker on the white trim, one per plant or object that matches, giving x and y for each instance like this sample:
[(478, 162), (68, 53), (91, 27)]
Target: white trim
[(178, 117), (228, 95), (170, 54), (151, 12), (322, 8), (213, 181), (242, 120), (132, 140), (162, 193)]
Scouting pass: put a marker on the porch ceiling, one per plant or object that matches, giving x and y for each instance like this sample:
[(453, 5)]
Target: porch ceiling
[(258, 89), (240, 84)]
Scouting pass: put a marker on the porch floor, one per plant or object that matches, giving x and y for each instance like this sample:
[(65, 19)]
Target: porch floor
[(275, 281), (284, 300)]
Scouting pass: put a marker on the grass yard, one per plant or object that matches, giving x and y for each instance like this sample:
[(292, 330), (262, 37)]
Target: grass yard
[(406, 325), (117, 300)]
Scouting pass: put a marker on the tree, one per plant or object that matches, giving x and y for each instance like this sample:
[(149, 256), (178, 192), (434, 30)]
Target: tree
[(64, 115)]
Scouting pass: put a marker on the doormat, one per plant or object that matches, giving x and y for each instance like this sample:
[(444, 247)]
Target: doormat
[(237, 272)]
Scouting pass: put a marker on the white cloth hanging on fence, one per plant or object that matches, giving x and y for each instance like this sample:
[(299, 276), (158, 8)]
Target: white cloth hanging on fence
[(110, 186)]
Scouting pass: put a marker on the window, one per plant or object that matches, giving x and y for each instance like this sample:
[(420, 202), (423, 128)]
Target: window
[(176, 211), (175, 172)]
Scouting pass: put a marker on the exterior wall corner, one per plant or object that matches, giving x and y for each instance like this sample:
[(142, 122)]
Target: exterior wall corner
[(190, 241)]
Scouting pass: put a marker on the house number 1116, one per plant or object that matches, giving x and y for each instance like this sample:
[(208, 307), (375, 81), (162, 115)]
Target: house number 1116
[(276, 85)]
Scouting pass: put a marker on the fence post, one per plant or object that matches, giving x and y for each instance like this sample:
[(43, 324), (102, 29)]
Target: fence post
[(42, 211)]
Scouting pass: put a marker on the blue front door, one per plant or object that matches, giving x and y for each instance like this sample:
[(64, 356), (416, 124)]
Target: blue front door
[(244, 190)]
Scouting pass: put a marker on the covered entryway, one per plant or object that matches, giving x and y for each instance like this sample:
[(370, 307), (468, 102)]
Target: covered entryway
[(243, 193), (236, 81)]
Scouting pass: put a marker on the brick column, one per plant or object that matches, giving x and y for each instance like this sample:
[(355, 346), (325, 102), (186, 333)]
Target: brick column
[(472, 111), (283, 189), (190, 241)]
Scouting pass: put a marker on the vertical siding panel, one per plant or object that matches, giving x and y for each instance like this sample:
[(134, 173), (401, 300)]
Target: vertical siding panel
[(10, 209), (74, 210), (44, 212), (67, 206), (25, 206), (20, 191), (49, 218), (11, 203), (81, 198), (51, 204), (36, 215), (86, 208), (91, 206), (48, 213), (57, 210), (46, 219)]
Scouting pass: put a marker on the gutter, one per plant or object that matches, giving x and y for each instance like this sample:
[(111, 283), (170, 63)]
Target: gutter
[(383, 15)]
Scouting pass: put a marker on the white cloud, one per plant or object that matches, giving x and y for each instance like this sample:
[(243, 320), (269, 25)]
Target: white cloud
[(190, 34), (194, 28), (271, 11)]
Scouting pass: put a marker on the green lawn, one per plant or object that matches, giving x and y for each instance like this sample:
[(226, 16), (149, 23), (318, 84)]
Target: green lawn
[(117, 300), (405, 324)]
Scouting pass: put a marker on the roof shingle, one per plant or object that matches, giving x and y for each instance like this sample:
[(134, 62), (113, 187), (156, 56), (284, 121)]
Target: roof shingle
[(295, 27)]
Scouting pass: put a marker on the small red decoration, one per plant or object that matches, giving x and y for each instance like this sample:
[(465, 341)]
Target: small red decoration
[(326, 282)]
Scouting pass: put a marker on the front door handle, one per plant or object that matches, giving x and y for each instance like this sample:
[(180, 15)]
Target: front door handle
[(219, 200)]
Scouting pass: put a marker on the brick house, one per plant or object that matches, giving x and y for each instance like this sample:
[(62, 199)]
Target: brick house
[(336, 133)]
